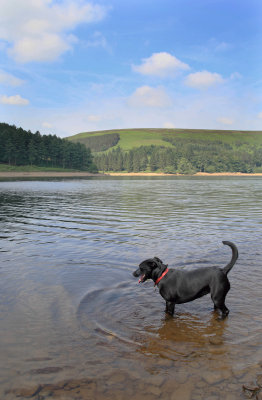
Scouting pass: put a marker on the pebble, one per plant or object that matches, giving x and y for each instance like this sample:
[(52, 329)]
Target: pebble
[(251, 386), (46, 370), (217, 341), (200, 384), (181, 377), (183, 392), (259, 380), (117, 377), (238, 373), (212, 377), (154, 390), (250, 389), (156, 380)]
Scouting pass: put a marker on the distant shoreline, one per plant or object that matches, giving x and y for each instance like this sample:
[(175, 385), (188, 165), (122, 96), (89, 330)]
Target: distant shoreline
[(54, 174), (41, 174), (197, 174)]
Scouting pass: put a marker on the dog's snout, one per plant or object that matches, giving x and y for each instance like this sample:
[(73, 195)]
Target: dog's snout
[(136, 273)]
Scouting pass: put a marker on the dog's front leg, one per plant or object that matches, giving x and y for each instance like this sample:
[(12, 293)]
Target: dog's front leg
[(170, 307)]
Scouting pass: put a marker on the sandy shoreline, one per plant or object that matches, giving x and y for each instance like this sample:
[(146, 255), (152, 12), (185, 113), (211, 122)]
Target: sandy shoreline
[(54, 174), (197, 174)]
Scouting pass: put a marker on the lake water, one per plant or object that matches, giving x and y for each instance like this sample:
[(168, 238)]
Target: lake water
[(75, 323)]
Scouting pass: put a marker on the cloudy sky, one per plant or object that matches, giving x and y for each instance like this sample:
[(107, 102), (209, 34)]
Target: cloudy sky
[(68, 66)]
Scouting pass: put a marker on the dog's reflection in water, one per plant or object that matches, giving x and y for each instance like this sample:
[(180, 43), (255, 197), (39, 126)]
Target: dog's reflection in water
[(185, 335)]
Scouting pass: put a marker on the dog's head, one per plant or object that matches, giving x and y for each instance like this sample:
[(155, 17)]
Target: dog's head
[(150, 269)]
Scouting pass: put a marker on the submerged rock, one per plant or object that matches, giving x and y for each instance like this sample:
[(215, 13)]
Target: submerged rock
[(216, 341), (259, 396), (259, 380), (212, 377), (250, 389)]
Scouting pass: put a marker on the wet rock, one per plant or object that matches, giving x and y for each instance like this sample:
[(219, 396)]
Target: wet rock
[(164, 362), (216, 341), (170, 385), (250, 389), (46, 370), (54, 386), (72, 384), (183, 392), (238, 373), (86, 392), (26, 392), (259, 380), (251, 386), (226, 374), (155, 390), (212, 377), (156, 380), (58, 394), (200, 384), (233, 387), (117, 377), (181, 377)]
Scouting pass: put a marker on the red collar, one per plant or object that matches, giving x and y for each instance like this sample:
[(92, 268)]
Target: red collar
[(162, 276)]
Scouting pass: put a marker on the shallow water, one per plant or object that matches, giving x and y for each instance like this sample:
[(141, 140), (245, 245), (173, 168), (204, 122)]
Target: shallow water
[(74, 321)]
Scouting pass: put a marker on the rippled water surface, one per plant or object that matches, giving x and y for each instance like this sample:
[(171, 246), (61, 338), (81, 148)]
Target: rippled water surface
[(75, 323)]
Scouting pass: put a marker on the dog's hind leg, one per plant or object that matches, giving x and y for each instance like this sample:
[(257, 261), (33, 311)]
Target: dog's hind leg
[(170, 307), (219, 304)]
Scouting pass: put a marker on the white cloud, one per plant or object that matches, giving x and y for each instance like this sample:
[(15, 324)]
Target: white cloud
[(160, 64), (259, 115), (203, 79), (97, 40), (146, 96), (223, 46), (235, 76), (47, 125), (168, 125), (9, 79), (225, 121), (15, 100), (39, 30), (93, 118)]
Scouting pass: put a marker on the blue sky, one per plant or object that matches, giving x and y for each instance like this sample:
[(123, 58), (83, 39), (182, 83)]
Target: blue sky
[(72, 66)]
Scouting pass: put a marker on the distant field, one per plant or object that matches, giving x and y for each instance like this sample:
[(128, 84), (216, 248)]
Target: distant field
[(130, 138)]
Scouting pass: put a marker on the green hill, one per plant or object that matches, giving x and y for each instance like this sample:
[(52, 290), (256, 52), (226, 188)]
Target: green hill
[(131, 138), (174, 150)]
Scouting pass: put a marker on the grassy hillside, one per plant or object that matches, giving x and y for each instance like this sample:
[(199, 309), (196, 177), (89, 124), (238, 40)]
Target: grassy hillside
[(131, 138), (183, 151)]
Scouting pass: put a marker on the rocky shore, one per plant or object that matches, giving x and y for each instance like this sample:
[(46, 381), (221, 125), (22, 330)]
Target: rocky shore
[(119, 385), (53, 174)]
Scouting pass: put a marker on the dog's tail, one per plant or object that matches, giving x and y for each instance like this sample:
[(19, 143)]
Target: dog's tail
[(228, 267)]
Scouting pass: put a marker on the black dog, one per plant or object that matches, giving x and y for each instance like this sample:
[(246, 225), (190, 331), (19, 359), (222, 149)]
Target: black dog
[(181, 286)]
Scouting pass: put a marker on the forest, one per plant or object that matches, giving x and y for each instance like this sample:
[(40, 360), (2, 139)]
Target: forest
[(186, 156), (21, 147), (97, 143)]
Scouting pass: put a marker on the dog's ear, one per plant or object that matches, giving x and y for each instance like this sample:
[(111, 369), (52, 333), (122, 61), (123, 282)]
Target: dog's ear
[(158, 259)]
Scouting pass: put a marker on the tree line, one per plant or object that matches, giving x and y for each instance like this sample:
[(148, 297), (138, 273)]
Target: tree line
[(21, 147), (184, 157)]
